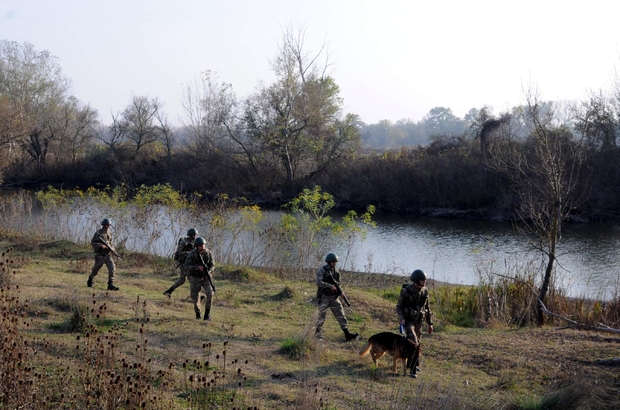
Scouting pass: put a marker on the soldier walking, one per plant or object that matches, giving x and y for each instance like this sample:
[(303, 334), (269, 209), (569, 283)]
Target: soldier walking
[(185, 246), (328, 297), (199, 265), (412, 308), (103, 254)]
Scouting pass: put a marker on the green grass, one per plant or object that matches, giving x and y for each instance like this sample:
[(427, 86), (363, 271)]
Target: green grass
[(259, 350)]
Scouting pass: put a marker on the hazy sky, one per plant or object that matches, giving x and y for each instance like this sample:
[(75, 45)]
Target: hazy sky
[(393, 59)]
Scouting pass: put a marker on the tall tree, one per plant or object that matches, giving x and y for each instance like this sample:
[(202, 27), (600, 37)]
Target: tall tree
[(298, 118), (544, 172), (35, 88), (597, 121), (140, 122)]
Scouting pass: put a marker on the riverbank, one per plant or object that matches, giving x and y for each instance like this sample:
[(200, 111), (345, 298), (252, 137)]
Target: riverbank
[(262, 329)]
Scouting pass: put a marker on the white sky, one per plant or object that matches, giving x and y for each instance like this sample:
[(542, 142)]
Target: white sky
[(393, 59)]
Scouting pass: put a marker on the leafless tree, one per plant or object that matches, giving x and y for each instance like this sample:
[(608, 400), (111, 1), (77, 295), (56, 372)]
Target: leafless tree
[(139, 122), (544, 173), (167, 134)]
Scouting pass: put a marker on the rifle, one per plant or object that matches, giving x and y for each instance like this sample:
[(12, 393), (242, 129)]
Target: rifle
[(338, 288), (207, 272), (110, 247)]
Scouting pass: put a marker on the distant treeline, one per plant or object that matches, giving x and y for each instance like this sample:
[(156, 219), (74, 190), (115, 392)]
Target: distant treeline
[(292, 134)]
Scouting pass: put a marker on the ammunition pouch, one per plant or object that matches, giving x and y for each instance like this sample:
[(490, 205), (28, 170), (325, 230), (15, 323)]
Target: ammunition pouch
[(413, 315)]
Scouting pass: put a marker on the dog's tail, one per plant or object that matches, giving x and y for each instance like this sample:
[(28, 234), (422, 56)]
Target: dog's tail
[(365, 349)]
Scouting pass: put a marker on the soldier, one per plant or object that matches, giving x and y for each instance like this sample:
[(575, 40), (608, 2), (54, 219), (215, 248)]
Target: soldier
[(103, 254), (198, 266), (186, 245), (327, 297), (412, 308)]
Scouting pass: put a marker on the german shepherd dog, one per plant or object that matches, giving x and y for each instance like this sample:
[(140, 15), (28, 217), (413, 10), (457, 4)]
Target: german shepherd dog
[(399, 347)]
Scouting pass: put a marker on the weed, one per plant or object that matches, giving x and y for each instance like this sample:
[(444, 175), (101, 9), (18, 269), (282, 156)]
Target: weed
[(297, 347)]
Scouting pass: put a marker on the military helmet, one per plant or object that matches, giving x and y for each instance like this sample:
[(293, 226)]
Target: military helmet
[(331, 257), (418, 275), (106, 221), (192, 232), (199, 241)]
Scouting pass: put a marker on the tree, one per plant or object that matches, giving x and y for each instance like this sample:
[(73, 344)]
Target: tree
[(597, 121), (139, 122), (12, 130), (486, 126), (33, 87), (298, 118), (208, 105), (544, 173), (441, 121), (75, 123)]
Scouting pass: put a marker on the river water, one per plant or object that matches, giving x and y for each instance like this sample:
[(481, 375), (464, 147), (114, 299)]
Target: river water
[(455, 250)]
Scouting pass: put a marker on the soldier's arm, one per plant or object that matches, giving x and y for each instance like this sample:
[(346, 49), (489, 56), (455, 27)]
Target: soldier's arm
[(429, 314), (96, 242), (320, 282), (209, 261), (400, 306)]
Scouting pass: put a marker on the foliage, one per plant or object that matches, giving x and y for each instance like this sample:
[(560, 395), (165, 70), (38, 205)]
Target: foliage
[(312, 232)]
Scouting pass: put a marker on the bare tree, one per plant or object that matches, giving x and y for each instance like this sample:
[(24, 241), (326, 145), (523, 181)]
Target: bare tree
[(139, 122), (597, 121), (113, 135), (544, 172), (167, 134)]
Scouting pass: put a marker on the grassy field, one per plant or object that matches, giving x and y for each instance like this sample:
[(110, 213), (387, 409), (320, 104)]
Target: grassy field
[(65, 345)]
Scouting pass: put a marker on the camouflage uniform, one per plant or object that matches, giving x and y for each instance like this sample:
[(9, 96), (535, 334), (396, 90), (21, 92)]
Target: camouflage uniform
[(102, 256), (186, 245), (328, 298), (198, 280), (413, 307)]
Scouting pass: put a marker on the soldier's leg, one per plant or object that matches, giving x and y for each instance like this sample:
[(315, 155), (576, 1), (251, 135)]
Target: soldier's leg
[(338, 311), (179, 282), (418, 333), (109, 262), (195, 284), (99, 261), (209, 299), (323, 306), (411, 334)]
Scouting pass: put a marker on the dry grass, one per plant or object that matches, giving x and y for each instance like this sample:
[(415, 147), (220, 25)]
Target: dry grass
[(138, 348)]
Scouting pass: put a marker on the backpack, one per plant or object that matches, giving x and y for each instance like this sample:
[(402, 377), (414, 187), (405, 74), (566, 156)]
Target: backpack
[(176, 253)]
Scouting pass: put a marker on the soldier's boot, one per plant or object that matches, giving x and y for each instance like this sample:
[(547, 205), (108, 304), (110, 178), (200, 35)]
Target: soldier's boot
[(207, 312), (349, 336), (169, 292), (413, 365), (318, 334), (89, 283), (111, 286)]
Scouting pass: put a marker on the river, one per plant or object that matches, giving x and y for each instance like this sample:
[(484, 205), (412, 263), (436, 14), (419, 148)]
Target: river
[(448, 250), (454, 250)]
